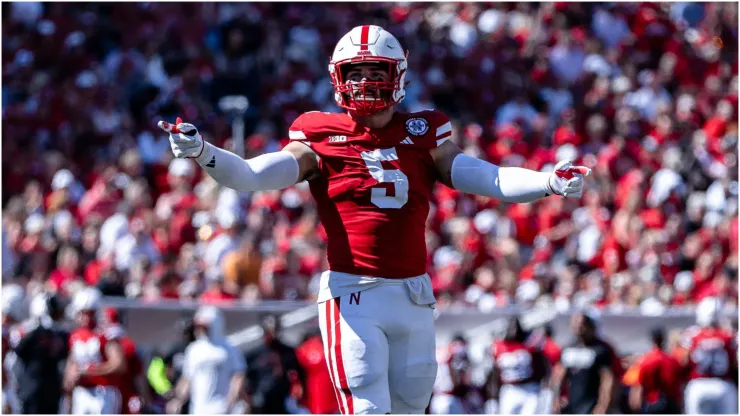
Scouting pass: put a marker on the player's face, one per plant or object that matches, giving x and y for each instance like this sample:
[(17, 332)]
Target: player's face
[(513, 331), (367, 73), (86, 319)]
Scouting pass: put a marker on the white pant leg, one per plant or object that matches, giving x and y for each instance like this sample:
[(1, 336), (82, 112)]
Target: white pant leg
[(10, 398), (519, 399), (356, 352), (710, 396), (532, 398), (446, 404), (413, 361), (544, 407), (84, 402), (491, 407), (96, 401), (110, 400), (729, 403)]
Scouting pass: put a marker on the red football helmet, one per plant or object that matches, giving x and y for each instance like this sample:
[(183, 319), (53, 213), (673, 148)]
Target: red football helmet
[(368, 44)]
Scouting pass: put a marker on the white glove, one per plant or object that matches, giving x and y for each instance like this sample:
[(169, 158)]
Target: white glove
[(567, 180), (185, 140)]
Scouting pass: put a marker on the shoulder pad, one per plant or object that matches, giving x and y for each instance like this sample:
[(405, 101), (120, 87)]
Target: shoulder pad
[(315, 126), (113, 332), (429, 123)]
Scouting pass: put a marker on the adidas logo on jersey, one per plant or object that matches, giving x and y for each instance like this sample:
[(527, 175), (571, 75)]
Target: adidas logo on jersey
[(336, 139), (407, 141)]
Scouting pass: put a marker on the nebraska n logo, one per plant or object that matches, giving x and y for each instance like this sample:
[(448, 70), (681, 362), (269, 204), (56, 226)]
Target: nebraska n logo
[(355, 297), (212, 163)]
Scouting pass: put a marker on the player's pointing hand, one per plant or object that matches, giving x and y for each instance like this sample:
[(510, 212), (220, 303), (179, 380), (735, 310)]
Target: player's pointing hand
[(185, 140), (567, 180)]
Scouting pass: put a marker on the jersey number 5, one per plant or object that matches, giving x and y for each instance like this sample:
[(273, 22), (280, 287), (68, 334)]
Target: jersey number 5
[(399, 180)]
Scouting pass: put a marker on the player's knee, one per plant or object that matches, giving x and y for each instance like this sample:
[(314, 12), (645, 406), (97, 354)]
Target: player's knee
[(362, 380), (366, 369)]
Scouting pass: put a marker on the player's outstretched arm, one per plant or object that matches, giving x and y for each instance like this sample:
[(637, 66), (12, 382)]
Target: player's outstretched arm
[(475, 176), (270, 171)]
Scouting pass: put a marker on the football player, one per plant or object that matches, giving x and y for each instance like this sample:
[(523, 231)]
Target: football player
[(519, 370), (709, 353), (96, 361), (132, 384), (453, 379), (371, 171)]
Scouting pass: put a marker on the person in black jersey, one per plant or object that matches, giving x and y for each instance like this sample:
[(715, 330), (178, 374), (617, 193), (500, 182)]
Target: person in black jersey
[(273, 371), (43, 352), (586, 371)]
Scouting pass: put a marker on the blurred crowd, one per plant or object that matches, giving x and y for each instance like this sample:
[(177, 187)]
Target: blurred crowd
[(643, 93)]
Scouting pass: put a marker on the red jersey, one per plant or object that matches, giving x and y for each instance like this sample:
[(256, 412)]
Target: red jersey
[(551, 351), (374, 189), (88, 348), (712, 353), (660, 373), (134, 368), (319, 395), (517, 362)]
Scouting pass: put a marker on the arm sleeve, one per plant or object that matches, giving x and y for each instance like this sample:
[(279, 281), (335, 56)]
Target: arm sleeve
[(476, 176), (271, 171)]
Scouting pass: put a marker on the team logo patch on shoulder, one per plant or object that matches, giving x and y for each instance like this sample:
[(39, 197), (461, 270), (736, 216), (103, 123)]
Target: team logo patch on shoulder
[(417, 126)]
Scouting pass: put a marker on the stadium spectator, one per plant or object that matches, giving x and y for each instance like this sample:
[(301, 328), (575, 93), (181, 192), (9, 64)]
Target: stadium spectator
[(666, 163)]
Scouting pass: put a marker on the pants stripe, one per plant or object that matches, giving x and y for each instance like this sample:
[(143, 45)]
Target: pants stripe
[(343, 384), (329, 355)]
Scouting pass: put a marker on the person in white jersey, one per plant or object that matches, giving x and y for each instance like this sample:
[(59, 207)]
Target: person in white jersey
[(213, 369)]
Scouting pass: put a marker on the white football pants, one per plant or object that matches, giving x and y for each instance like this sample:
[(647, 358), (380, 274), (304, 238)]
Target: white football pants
[(380, 349), (710, 396)]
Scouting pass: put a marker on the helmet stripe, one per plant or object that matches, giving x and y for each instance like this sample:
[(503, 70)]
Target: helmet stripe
[(364, 35)]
